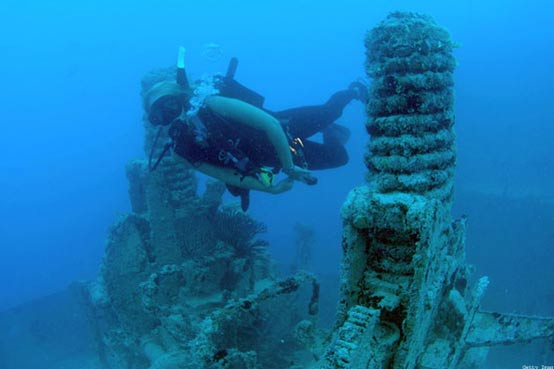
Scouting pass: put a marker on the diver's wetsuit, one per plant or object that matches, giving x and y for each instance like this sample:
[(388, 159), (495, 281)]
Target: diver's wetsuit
[(306, 121), (225, 138), (246, 150)]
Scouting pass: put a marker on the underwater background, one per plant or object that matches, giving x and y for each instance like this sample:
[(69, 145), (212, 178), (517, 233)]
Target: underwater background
[(72, 119)]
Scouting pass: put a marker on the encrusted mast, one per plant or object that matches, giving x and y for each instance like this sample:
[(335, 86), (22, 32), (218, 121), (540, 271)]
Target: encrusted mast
[(412, 148), (406, 301)]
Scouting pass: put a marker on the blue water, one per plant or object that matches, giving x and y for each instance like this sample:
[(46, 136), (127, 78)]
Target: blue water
[(71, 119)]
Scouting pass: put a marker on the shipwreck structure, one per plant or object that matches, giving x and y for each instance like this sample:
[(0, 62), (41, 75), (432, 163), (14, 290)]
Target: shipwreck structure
[(186, 282), (407, 296)]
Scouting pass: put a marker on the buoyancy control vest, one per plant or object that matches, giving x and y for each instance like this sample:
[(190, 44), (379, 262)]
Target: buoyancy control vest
[(224, 142), (210, 138)]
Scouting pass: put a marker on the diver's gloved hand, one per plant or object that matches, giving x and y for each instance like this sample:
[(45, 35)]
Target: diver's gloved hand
[(300, 174)]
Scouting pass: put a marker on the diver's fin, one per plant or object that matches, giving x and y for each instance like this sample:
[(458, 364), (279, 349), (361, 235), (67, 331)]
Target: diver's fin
[(336, 132)]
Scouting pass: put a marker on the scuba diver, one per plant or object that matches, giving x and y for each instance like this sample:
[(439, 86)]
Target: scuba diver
[(221, 128)]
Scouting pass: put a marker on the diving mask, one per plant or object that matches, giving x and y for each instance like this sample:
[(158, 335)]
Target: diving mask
[(166, 109)]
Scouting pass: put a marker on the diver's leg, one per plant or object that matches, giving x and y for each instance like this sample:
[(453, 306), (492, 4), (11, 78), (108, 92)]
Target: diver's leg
[(324, 155), (308, 120)]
